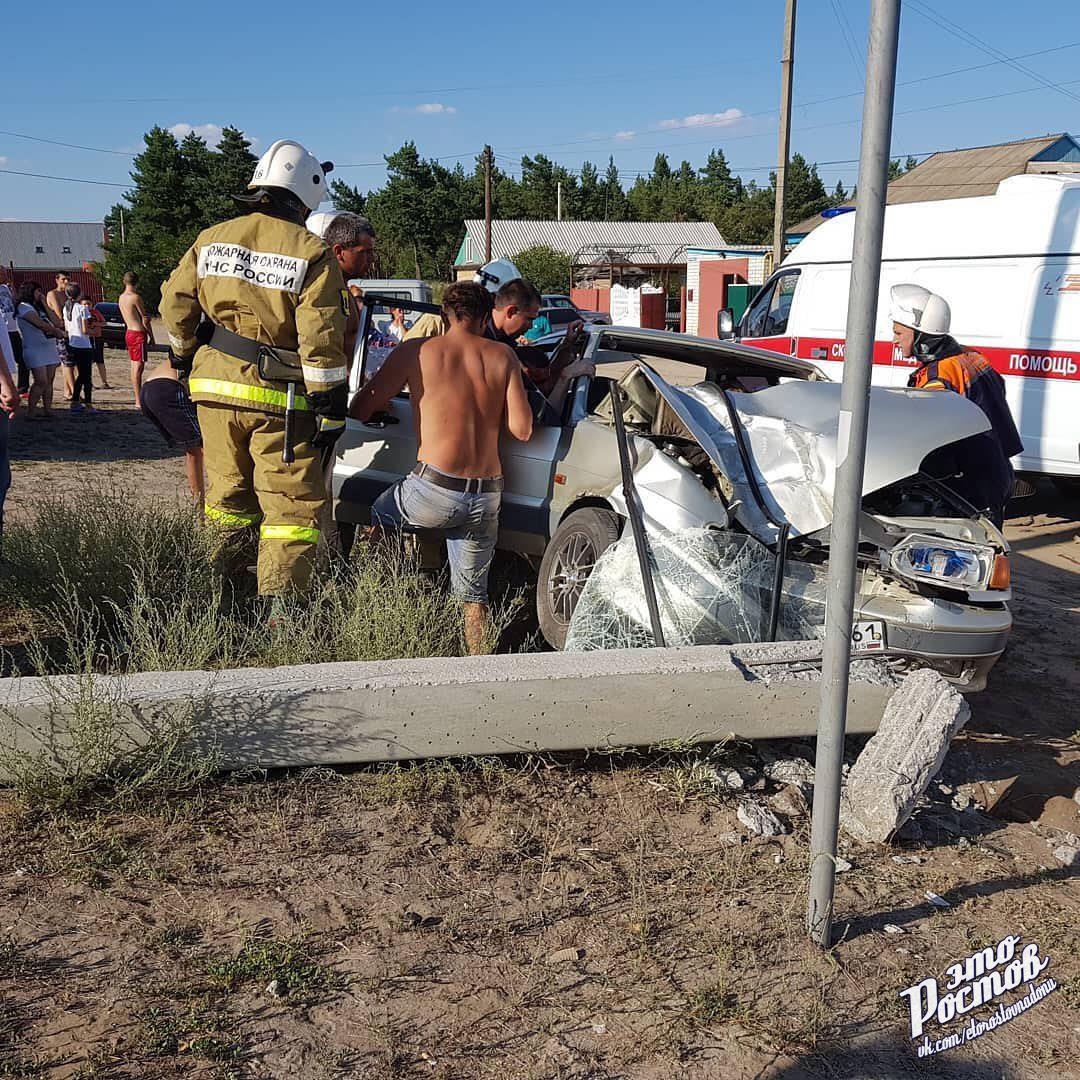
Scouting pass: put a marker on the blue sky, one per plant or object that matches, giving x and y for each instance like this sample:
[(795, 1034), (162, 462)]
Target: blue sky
[(574, 81)]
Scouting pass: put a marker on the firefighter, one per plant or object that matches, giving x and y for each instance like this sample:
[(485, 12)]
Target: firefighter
[(921, 321), (263, 279)]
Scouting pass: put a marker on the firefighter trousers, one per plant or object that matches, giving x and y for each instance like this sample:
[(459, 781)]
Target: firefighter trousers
[(251, 493)]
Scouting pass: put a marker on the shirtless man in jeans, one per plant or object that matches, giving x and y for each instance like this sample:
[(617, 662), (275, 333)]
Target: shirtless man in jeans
[(139, 331), (464, 389)]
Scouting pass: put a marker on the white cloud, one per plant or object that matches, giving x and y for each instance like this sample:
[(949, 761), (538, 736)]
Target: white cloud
[(625, 134), (430, 108), (719, 119), (210, 132)]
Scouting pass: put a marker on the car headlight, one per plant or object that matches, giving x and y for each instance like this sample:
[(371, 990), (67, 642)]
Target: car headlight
[(944, 562)]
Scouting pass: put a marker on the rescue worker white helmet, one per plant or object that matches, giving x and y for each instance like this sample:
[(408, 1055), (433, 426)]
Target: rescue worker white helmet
[(289, 166), (320, 221), (495, 274), (919, 308)]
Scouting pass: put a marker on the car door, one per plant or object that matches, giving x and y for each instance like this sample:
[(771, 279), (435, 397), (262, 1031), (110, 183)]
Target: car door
[(374, 455)]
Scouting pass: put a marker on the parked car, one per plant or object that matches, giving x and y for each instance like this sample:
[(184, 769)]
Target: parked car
[(559, 300), (403, 289), (748, 449), (112, 333)]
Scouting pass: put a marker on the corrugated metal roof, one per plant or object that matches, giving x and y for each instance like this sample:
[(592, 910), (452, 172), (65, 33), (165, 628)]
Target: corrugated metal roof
[(668, 240), (64, 245), (962, 174)]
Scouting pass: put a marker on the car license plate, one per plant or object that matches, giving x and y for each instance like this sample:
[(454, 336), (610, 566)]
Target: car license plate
[(868, 637)]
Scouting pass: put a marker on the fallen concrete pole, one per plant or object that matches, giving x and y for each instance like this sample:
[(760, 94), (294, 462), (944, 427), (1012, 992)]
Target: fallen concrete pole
[(334, 714)]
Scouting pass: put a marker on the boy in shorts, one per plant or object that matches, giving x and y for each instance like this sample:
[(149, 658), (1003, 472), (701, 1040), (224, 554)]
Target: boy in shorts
[(167, 404)]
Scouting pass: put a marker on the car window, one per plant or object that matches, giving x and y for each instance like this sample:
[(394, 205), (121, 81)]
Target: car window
[(559, 316), (769, 313)]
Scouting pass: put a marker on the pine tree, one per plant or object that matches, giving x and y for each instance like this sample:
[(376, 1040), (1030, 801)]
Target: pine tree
[(230, 173), (616, 207), (592, 194), (719, 189)]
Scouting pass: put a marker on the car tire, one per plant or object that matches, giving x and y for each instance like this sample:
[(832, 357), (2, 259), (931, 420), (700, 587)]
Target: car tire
[(579, 541)]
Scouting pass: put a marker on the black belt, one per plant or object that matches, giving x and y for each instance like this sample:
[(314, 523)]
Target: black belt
[(247, 349), (480, 485)]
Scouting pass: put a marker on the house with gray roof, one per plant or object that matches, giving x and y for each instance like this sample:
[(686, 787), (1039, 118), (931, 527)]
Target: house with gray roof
[(599, 251), (38, 250)]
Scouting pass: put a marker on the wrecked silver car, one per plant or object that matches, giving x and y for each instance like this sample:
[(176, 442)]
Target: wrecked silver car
[(745, 444)]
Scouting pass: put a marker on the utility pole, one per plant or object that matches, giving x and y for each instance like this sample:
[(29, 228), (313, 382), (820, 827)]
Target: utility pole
[(787, 60), (850, 456), (123, 239), (487, 204), (558, 200)]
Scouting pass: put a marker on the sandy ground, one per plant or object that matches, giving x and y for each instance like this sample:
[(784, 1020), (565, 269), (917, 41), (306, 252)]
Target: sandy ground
[(598, 918)]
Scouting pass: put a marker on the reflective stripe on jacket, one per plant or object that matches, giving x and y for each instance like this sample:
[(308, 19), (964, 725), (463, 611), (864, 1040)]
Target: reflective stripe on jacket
[(269, 280)]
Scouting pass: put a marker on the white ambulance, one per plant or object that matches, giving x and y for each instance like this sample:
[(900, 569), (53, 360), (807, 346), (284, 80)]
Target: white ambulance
[(1009, 266)]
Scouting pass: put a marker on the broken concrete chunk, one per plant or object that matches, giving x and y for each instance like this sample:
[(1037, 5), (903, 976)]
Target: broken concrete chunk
[(791, 770), (791, 802), (937, 901), (897, 764), (724, 778), (892, 928), (907, 859), (759, 819), (1067, 855), (842, 865)]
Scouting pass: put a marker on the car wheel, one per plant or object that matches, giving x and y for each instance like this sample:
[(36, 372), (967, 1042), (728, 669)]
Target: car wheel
[(568, 560)]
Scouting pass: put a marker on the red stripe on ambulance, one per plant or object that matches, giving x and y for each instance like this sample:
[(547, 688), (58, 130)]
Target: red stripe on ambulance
[(1030, 364)]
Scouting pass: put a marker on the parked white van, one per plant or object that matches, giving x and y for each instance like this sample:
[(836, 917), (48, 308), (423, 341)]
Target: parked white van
[(1009, 266)]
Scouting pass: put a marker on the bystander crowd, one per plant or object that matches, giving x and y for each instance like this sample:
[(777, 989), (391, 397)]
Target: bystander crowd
[(11, 323), (39, 338), (77, 320), (9, 407), (55, 299)]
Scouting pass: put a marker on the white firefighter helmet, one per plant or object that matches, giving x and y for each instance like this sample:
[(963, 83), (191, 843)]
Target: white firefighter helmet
[(320, 221), (495, 274), (919, 308), (290, 166)]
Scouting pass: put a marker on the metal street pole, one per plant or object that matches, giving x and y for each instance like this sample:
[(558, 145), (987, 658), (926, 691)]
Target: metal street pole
[(850, 455), (487, 203), (787, 60)]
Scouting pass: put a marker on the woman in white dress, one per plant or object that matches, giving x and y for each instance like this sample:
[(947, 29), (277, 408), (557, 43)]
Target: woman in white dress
[(39, 335)]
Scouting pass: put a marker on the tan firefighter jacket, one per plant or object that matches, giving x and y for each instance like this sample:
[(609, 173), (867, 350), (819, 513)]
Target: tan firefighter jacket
[(266, 279)]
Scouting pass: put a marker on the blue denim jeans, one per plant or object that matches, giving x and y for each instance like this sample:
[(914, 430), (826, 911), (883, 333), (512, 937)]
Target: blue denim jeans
[(468, 520)]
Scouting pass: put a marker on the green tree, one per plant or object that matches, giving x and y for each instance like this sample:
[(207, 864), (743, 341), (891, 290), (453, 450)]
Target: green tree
[(546, 268), (616, 207), (159, 223), (230, 173), (177, 191), (719, 189), (592, 196)]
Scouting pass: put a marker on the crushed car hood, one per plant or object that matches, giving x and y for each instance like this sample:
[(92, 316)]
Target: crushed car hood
[(791, 435)]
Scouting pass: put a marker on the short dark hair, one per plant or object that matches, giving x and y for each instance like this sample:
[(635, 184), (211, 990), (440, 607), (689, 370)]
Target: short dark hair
[(347, 229), (466, 300), (519, 293), (28, 292), (131, 278)]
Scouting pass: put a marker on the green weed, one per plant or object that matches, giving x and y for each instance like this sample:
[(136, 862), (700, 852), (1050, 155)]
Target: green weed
[(289, 965)]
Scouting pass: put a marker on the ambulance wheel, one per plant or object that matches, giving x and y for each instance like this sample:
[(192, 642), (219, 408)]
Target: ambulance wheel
[(568, 561)]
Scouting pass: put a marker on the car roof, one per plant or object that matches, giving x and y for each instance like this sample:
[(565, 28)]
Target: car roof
[(708, 353)]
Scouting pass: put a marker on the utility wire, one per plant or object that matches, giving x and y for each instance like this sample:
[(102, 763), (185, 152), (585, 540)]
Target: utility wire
[(965, 35), (71, 179), (849, 40)]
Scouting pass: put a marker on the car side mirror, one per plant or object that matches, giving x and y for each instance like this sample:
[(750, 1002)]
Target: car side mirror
[(725, 324)]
